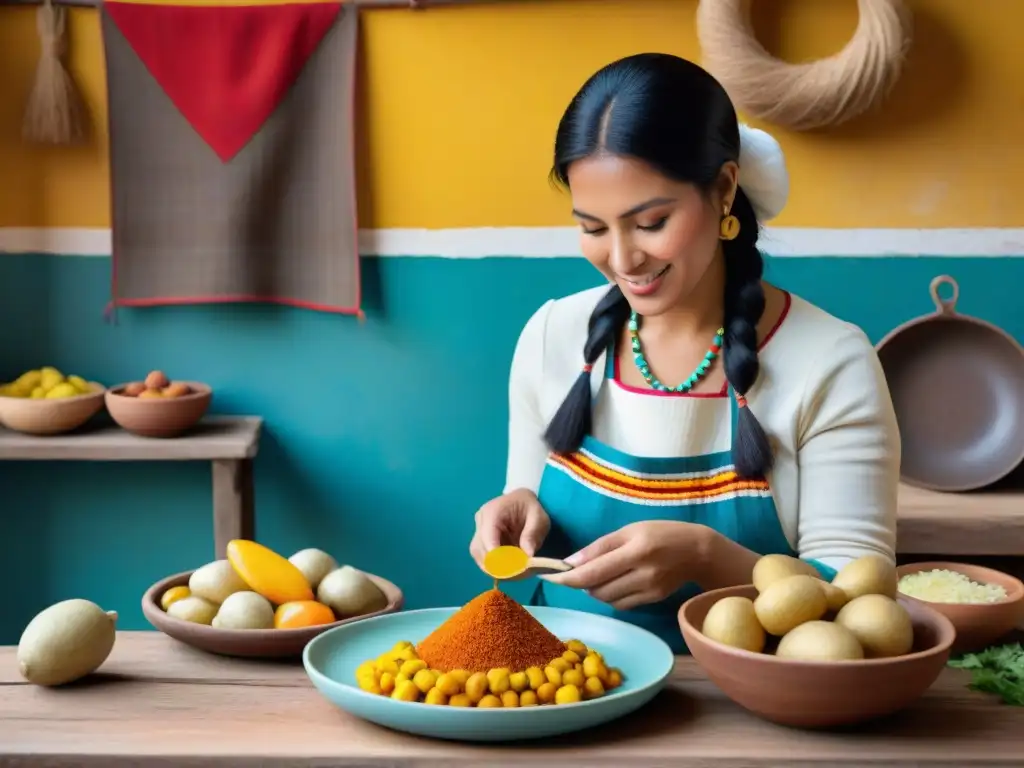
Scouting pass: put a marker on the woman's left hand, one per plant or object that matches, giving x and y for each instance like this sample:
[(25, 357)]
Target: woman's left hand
[(639, 564)]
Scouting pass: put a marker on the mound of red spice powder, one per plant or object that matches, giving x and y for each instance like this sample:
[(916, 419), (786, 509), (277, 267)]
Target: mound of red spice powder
[(491, 631)]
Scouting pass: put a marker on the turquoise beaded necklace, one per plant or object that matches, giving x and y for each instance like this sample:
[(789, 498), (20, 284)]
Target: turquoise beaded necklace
[(645, 369)]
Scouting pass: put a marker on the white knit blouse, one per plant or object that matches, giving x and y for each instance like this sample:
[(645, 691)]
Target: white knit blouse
[(821, 396)]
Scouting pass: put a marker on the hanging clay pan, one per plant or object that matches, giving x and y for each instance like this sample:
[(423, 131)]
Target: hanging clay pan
[(957, 385)]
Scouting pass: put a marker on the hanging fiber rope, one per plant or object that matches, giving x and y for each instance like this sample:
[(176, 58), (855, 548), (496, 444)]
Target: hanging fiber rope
[(811, 95)]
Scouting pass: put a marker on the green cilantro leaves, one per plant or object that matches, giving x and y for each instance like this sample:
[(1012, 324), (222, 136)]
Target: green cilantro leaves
[(998, 670)]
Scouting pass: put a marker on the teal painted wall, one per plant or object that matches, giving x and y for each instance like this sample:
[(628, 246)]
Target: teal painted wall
[(381, 439)]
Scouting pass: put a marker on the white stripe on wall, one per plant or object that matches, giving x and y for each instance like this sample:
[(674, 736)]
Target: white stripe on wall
[(553, 242)]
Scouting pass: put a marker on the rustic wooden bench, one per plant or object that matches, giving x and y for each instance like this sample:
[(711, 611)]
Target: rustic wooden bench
[(229, 443)]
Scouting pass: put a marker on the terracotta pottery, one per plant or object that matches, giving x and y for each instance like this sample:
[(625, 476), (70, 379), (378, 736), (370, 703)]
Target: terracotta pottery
[(159, 417), (249, 643), (50, 417), (957, 385), (810, 694), (977, 625)]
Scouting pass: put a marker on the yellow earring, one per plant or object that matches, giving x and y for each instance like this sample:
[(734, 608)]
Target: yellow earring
[(729, 228)]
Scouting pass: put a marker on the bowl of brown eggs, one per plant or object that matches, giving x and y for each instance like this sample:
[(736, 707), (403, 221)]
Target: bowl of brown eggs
[(158, 406)]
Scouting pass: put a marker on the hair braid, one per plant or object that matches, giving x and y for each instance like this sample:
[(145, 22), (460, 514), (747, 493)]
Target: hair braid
[(744, 306), (571, 423)]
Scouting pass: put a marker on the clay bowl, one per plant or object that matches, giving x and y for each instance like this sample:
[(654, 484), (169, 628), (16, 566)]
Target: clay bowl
[(249, 643), (978, 625), (809, 694), (168, 417), (50, 417)]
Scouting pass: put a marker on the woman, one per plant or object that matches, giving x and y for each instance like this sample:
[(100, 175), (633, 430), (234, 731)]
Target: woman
[(668, 431)]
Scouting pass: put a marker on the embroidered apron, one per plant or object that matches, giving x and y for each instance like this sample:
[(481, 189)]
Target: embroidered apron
[(598, 490)]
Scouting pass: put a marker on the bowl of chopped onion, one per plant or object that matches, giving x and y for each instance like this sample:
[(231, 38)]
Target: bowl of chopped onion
[(982, 603)]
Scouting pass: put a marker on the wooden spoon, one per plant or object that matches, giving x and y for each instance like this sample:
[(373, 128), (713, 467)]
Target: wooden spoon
[(541, 566)]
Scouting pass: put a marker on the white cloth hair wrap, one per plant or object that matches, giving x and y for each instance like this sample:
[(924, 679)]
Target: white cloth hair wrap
[(763, 173)]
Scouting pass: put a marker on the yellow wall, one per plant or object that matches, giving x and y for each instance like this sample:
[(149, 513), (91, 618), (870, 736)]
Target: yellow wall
[(462, 103)]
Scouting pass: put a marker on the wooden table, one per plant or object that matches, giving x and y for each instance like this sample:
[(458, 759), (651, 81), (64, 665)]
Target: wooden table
[(229, 443), (158, 703)]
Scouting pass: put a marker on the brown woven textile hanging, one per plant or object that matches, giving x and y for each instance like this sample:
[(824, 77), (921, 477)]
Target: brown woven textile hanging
[(231, 145)]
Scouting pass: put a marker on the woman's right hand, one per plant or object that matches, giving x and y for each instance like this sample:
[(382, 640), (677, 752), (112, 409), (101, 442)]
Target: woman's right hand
[(514, 518)]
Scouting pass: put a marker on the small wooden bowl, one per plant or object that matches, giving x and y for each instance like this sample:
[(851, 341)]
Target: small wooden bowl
[(813, 694), (51, 417), (169, 417), (978, 625), (249, 643)]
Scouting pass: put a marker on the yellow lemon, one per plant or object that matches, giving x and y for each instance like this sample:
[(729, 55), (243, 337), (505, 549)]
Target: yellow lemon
[(29, 380), (80, 384), (51, 377), (19, 390), (64, 389)]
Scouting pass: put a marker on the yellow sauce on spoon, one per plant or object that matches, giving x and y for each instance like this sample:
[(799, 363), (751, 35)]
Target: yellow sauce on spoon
[(505, 562)]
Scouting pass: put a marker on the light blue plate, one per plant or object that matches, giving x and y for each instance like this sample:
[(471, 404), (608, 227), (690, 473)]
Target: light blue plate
[(332, 657)]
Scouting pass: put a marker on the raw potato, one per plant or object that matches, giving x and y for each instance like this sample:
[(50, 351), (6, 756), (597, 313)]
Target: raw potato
[(732, 621), (66, 642), (772, 568), (314, 564), (350, 593), (245, 610), (881, 625), (868, 575), (790, 602), (835, 597), (820, 641), (197, 610), (215, 581)]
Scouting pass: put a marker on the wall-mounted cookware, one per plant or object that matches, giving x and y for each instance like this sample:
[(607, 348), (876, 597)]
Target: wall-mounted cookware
[(957, 385)]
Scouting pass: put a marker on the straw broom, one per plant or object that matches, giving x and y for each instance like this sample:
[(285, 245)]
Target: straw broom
[(55, 112)]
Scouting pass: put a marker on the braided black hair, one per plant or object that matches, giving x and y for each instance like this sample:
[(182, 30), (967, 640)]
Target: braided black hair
[(675, 116)]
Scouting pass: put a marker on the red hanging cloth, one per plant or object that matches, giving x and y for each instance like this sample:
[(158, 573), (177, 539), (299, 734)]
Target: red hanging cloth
[(226, 68)]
